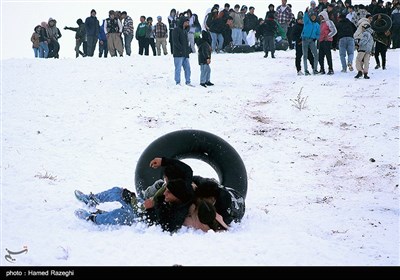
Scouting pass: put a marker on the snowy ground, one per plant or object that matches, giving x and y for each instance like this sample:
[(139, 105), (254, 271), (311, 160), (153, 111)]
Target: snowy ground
[(323, 181)]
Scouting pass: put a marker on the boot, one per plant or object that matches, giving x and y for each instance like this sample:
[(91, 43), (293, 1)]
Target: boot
[(377, 66), (366, 76), (359, 74)]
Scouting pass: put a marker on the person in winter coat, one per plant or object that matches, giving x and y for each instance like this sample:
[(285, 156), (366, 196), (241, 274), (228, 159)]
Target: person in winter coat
[(127, 30), (382, 42), (113, 30), (140, 35), (204, 54), (328, 30), (365, 49), (53, 35), (35, 39), (103, 46), (80, 35), (92, 27), (309, 35), (296, 33), (43, 41), (345, 32), (181, 51), (161, 35), (268, 29), (168, 207), (395, 16)]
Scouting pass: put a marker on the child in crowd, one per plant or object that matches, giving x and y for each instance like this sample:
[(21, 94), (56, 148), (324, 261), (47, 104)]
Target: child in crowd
[(204, 46)]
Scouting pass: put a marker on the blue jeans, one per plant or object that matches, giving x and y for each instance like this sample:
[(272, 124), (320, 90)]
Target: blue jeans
[(309, 43), (216, 37), (237, 36), (128, 42), (205, 72), (36, 51), (346, 45), (43, 50), (179, 63), (125, 215)]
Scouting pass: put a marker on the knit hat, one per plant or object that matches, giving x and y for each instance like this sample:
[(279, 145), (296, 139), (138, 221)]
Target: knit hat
[(159, 18), (312, 2), (179, 189)]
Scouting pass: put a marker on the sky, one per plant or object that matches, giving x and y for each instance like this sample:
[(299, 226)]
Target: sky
[(16, 34), (323, 182)]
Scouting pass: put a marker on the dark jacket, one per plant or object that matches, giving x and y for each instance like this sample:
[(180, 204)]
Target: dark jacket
[(102, 33), (92, 26), (80, 32), (204, 45), (296, 33), (269, 27), (229, 203), (250, 22), (169, 216), (345, 28), (216, 24), (180, 41)]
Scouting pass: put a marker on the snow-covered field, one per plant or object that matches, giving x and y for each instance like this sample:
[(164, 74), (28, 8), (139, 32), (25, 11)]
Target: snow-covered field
[(323, 181)]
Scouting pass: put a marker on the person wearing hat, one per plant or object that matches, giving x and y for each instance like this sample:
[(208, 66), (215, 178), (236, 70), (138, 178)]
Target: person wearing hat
[(53, 35), (161, 35), (113, 30), (92, 27), (35, 39), (204, 55), (167, 207), (181, 51), (365, 49), (80, 37)]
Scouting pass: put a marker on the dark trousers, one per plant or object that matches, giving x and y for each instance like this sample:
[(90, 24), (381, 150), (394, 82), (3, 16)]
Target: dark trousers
[(143, 45), (152, 45), (171, 44), (380, 49), (395, 37), (103, 48), (91, 45), (299, 54), (325, 50), (54, 48)]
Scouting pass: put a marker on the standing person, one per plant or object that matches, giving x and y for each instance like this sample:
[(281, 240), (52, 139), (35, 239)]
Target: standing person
[(161, 34), (328, 30), (113, 30), (237, 25), (250, 21), (141, 31), (310, 34), (365, 49), (345, 32), (194, 27), (382, 40), (395, 16), (53, 35), (204, 45), (297, 30), (181, 51), (150, 35), (43, 41), (268, 29), (127, 30), (80, 34), (35, 39), (284, 15), (92, 27), (172, 24), (103, 47)]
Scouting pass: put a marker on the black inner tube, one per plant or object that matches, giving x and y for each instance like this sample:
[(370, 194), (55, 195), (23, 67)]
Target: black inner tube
[(193, 144)]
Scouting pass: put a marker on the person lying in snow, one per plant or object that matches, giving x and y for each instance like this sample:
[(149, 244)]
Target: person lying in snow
[(171, 206)]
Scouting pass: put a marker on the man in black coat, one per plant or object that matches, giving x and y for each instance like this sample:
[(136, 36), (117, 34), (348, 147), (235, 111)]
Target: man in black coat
[(181, 51)]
